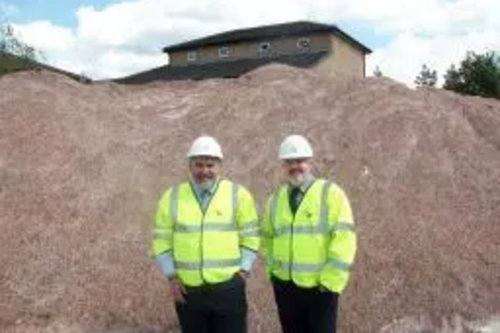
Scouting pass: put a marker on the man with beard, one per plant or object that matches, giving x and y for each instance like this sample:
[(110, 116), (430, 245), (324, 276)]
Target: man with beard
[(309, 243), (206, 239)]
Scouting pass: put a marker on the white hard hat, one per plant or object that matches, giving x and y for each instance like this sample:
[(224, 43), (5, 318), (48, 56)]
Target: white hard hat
[(205, 146), (295, 146)]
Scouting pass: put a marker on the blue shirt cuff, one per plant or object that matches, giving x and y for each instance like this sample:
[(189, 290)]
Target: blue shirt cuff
[(166, 263), (247, 259)]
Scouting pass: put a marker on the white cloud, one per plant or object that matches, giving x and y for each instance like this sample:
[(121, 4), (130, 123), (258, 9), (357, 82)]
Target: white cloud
[(463, 26), (404, 56), (45, 35), (127, 37), (129, 62)]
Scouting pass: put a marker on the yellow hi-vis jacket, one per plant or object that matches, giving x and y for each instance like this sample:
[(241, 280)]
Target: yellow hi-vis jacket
[(206, 246), (317, 246)]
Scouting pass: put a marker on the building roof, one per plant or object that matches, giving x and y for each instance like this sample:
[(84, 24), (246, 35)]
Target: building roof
[(267, 31), (220, 69)]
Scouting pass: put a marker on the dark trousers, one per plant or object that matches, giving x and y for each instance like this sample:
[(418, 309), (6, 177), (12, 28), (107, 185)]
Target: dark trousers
[(220, 308), (304, 310)]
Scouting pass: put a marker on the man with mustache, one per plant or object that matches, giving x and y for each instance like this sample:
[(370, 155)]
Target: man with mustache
[(309, 243), (206, 239)]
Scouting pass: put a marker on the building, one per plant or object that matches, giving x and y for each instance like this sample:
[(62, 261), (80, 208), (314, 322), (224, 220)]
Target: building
[(230, 54)]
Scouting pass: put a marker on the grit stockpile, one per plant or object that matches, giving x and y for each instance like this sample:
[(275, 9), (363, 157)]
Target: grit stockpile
[(82, 168)]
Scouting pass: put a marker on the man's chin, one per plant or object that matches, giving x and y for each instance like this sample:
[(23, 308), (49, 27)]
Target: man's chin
[(296, 181), (206, 184)]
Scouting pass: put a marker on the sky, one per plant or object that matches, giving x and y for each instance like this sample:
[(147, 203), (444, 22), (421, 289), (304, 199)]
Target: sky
[(113, 38)]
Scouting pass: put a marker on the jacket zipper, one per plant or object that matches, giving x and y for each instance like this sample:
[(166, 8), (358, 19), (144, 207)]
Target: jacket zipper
[(202, 233), (292, 238), (202, 240), (291, 246), (293, 228)]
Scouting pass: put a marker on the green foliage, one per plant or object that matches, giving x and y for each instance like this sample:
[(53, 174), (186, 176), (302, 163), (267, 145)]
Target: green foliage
[(478, 74), (427, 77), (10, 43)]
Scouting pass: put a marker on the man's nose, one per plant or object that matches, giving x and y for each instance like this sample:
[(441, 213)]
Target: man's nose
[(205, 171)]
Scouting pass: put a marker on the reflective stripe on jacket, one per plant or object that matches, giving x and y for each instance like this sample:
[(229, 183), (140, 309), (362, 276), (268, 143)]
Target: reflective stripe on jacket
[(206, 246), (315, 247)]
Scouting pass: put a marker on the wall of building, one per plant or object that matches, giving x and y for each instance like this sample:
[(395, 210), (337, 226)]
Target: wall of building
[(345, 60), (248, 50)]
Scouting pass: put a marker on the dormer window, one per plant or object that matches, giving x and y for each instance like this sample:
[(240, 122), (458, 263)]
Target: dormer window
[(224, 52), (191, 56), (264, 47), (303, 43)]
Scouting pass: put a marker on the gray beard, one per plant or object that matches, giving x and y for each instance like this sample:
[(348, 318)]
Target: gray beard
[(206, 184), (299, 181)]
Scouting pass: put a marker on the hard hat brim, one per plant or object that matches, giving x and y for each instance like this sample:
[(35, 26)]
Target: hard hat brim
[(205, 156), (298, 157)]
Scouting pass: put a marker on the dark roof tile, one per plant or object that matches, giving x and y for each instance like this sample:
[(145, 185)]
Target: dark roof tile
[(266, 31), (220, 69)]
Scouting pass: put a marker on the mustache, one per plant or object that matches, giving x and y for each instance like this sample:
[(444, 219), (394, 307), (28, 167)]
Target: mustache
[(204, 178)]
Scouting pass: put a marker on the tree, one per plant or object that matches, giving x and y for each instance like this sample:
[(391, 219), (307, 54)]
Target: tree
[(427, 77), (377, 72), (10, 43), (478, 74)]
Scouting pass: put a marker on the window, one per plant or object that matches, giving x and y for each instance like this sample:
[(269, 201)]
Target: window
[(223, 52), (264, 47), (303, 43), (191, 56)]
